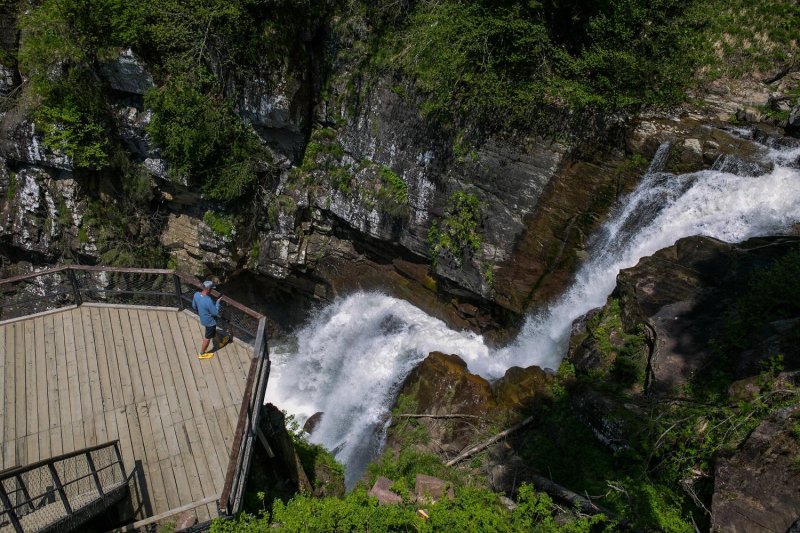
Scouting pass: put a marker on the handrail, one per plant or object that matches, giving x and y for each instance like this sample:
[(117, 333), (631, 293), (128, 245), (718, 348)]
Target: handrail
[(15, 470), (48, 494)]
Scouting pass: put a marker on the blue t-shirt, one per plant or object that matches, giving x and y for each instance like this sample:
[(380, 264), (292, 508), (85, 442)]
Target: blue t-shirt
[(206, 309)]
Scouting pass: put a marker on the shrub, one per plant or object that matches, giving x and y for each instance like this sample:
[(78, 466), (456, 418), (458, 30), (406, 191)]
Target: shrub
[(458, 233), (203, 140)]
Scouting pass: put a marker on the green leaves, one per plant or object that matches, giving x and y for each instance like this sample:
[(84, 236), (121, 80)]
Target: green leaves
[(458, 233), (203, 140)]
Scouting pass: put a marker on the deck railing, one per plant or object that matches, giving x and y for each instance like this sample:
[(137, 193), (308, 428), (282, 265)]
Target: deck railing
[(61, 492), (68, 286)]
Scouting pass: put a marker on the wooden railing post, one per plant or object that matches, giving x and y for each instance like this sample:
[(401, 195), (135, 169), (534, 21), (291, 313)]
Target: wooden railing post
[(94, 473), (60, 488), (178, 293), (12, 514), (76, 291)]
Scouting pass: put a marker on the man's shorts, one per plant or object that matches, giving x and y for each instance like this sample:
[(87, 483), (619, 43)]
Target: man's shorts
[(211, 332)]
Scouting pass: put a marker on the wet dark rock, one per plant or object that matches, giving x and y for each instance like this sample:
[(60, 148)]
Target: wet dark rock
[(793, 124), (682, 293), (312, 422), (756, 489), (127, 73)]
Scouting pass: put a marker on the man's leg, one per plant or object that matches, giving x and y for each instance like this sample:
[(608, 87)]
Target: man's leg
[(211, 332)]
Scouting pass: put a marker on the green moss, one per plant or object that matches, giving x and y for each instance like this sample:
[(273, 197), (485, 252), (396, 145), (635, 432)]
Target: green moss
[(222, 225)]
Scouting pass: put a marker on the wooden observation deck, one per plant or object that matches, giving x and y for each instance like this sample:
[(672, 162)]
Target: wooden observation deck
[(92, 355)]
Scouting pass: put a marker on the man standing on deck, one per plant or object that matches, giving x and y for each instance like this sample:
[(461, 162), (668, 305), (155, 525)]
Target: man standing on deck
[(208, 311)]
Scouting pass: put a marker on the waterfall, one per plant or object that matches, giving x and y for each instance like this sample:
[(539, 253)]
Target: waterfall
[(352, 356)]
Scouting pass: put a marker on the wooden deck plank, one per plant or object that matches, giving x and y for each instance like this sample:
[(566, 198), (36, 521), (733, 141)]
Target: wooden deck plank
[(225, 427), (87, 410), (20, 370), (56, 445), (97, 421), (21, 451), (53, 398), (3, 357), (132, 357), (199, 456), (121, 355), (185, 363), (114, 375), (138, 451), (73, 384), (169, 355), (41, 388), (31, 448), (155, 482), (190, 467), (201, 369), (153, 360), (142, 354), (210, 448), (159, 436), (9, 388), (101, 350), (125, 441), (170, 485), (31, 399), (162, 356), (64, 407)]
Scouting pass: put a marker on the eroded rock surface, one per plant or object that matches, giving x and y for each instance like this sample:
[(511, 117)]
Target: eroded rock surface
[(757, 489)]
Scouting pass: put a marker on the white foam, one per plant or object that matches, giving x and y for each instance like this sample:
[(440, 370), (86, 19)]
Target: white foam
[(353, 355)]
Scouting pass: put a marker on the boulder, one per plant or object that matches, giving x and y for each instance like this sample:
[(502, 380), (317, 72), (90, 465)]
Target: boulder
[(432, 489), (312, 422), (382, 491), (757, 488), (682, 294)]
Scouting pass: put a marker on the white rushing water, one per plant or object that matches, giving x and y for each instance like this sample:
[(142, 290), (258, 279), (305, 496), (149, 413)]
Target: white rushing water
[(352, 356)]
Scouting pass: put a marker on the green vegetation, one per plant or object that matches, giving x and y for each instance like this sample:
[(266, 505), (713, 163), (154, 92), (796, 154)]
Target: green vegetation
[(222, 225), (772, 293), (624, 355), (11, 191), (121, 240), (502, 62), (392, 193), (201, 137), (458, 233), (742, 37), (472, 509)]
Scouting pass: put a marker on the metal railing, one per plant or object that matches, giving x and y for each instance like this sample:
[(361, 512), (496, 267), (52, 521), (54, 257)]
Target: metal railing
[(69, 286), (61, 492)]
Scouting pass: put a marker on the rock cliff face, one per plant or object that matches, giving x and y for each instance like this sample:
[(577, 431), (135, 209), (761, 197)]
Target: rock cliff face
[(361, 175)]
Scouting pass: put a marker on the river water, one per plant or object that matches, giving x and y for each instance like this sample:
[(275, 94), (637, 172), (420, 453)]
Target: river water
[(350, 357)]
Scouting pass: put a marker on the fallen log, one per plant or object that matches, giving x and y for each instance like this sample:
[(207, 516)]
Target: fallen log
[(485, 444), (439, 416), (585, 505)]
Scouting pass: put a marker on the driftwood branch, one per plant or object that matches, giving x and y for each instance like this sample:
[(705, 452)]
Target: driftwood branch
[(485, 444), (583, 504), (439, 416)]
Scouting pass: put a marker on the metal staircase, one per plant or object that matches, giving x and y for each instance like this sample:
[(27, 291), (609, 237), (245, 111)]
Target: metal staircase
[(62, 492)]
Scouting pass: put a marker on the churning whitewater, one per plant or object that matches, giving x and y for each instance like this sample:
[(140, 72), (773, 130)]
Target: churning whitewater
[(352, 356)]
